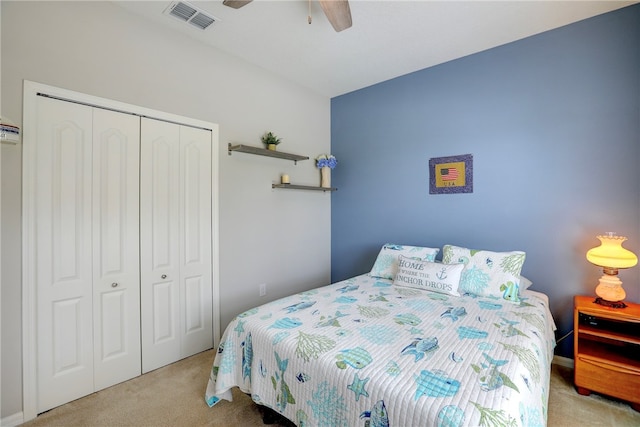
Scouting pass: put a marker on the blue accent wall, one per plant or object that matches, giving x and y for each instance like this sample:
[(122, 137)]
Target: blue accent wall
[(553, 124)]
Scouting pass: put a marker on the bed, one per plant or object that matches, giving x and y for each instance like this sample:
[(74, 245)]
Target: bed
[(377, 350)]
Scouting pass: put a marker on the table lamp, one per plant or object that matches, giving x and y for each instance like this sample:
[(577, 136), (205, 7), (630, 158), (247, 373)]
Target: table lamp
[(611, 256)]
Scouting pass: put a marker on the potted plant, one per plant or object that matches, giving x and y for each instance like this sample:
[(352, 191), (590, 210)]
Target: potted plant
[(270, 140)]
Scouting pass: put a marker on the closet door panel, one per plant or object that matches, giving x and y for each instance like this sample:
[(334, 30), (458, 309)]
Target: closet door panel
[(163, 179), (195, 242), (63, 252), (116, 280), (159, 243), (164, 316)]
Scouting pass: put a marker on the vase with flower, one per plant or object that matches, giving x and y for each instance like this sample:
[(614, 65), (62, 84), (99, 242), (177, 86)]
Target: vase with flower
[(326, 162)]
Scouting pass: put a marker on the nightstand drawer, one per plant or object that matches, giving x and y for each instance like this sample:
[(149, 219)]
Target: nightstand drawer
[(601, 377)]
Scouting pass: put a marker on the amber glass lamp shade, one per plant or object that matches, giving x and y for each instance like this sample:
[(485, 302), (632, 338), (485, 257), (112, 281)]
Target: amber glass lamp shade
[(611, 256)]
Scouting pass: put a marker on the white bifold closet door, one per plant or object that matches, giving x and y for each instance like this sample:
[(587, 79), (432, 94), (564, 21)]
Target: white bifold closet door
[(116, 254), (176, 245), (87, 253)]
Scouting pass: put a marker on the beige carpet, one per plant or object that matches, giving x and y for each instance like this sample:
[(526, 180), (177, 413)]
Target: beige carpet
[(174, 396)]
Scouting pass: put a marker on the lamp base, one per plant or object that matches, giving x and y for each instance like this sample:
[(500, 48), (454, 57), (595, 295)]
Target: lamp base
[(610, 287), (612, 304)]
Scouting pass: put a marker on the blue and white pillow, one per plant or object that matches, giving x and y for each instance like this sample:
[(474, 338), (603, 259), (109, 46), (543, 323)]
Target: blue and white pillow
[(386, 265), (487, 273)]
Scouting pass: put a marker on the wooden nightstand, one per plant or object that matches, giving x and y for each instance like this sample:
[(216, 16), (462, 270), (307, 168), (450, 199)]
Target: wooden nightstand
[(607, 350)]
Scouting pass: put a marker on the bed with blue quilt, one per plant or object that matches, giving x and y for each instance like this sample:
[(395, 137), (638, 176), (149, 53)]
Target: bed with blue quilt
[(400, 346)]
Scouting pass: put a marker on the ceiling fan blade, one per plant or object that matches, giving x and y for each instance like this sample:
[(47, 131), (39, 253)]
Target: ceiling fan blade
[(236, 4), (338, 13)]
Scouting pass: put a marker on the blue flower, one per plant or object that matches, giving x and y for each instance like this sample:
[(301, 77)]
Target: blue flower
[(325, 160)]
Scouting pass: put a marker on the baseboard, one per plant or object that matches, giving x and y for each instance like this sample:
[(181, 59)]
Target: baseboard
[(12, 420), (563, 361)]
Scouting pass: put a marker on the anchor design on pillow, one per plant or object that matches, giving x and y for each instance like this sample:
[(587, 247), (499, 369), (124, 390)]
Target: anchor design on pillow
[(442, 274)]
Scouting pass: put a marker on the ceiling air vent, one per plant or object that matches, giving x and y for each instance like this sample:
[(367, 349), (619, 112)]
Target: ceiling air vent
[(189, 13)]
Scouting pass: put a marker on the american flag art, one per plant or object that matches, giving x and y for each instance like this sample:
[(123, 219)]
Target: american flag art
[(449, 174)]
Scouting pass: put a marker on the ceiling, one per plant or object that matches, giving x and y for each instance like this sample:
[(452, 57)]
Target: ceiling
[(389, 38)]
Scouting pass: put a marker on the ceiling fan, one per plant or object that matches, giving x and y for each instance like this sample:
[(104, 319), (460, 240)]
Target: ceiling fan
[(337, 11)]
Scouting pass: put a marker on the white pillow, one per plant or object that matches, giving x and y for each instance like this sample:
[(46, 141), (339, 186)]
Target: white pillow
[(487, 273), (386, 264), (525, 283), (430, 276)]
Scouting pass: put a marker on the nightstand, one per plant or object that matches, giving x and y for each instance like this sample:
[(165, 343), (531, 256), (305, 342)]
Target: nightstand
[(607, 350)]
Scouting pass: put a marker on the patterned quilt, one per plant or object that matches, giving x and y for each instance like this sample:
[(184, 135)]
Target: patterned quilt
[(363, 352)]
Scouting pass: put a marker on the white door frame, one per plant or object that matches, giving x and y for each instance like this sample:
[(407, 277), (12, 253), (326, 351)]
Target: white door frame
[(31, 91)]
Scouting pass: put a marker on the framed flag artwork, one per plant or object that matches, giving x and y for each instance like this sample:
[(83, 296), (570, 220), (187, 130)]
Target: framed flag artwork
[(453, 174)]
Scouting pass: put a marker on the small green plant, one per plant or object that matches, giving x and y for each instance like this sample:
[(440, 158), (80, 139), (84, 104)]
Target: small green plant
[(269, 138)]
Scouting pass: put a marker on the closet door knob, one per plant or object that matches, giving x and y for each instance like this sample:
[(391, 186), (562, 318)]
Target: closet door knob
[(114, 285), (164, 276)]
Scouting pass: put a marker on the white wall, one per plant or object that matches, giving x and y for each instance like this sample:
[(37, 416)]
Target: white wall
[(0, 223), (277, 237)]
